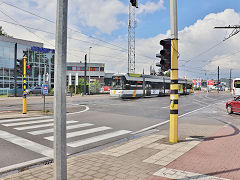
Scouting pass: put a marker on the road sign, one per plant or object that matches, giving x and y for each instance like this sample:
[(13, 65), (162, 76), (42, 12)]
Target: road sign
[(44, 89)]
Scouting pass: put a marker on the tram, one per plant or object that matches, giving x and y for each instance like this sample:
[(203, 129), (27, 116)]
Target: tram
[(130, 85)]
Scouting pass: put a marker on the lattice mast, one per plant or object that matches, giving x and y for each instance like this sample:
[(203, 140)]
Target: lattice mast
[(131, 37)]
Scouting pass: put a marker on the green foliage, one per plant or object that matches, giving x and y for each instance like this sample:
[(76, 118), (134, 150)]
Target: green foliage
[(197, 88), (167, 74), (51, 92), (95, 87), (2, 33)]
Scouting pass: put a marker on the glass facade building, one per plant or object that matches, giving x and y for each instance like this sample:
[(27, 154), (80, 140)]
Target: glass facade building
[(40, 59)]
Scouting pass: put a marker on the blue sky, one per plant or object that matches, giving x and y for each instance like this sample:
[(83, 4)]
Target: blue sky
[(108, 20)]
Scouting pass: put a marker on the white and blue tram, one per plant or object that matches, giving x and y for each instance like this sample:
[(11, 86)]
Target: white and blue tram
[(132, 85)]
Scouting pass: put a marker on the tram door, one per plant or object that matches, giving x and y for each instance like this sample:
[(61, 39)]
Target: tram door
[(148, 89)]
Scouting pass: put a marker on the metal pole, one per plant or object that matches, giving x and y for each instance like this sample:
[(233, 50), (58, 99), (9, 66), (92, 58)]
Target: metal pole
[(60, 157), (218, 81), (230, 80), (89, 73), (173, 134), (85, 75), (15, 70), (143, 84), (24, 85), (44, 103)]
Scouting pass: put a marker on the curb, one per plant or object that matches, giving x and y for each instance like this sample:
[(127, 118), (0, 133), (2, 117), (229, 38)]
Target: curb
[(24, 166)]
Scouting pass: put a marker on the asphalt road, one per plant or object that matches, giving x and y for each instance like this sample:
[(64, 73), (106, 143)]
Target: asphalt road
[(92, 121)]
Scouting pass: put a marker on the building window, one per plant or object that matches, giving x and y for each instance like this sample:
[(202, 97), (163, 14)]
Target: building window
[(92, 69), (78, 68), (101, 68), (82, 68), (74, 68), (69, 68), (96, 68)]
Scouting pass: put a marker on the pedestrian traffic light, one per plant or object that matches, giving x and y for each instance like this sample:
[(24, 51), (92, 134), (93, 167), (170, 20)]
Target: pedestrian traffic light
[(134, 3), (19, 66), (165, 55)]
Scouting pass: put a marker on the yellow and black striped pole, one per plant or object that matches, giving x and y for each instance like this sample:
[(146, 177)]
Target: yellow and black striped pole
[(24, 85), (173, 138), (173, 134)]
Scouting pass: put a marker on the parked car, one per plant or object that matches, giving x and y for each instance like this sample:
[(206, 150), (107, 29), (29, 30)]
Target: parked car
[(34, 90), (233, 105)]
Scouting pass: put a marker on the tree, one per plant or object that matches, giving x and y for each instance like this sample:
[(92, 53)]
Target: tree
[(167, 74), (2, 33)]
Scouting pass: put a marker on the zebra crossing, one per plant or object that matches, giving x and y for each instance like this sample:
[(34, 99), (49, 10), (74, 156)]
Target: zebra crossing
[(80, 136)]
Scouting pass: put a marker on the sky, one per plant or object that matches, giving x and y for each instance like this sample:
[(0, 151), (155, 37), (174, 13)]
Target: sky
[(103, 26)]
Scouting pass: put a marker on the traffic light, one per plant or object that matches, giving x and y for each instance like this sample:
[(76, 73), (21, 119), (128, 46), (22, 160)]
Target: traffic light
[(29, 69), (134, 3), (165, 55), (19, 66)]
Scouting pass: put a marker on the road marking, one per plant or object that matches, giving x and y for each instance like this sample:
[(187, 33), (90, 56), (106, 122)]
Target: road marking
[(192, 111), (166, 107), (179, 174), (24, 119), (41, 125), (75, 126), (80, 133), (200, 101), (87, 108), (24, 123), (165, 122), (97, 138), (1, 112), (27, 144)]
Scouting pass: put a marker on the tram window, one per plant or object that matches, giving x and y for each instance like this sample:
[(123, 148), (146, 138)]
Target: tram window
[(117, 83), (135, 85)]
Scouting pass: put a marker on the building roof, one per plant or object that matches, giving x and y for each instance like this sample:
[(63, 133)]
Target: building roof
[(108, 75), (20, 41)]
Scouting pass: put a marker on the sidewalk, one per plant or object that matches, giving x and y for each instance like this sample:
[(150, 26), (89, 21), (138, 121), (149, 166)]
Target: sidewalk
[(151, 157)]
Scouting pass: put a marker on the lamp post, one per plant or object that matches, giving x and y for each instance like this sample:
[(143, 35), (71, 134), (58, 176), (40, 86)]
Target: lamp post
[(89, 70)]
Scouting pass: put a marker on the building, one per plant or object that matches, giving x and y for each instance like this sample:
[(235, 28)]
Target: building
[(42, 66), (95, 72), (41, 61)]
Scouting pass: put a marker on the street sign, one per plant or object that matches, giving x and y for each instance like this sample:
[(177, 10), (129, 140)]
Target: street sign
[(44, 89)]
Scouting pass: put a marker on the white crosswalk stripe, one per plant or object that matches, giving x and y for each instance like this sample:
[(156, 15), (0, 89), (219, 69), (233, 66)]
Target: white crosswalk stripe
[(86, 135), (97, 138), (33, 146), (40, 126), (83, 132), (75, 126), (30, 122), (25, 119)]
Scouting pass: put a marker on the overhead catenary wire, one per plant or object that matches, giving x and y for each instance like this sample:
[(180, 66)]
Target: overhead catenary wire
[(74, 30)]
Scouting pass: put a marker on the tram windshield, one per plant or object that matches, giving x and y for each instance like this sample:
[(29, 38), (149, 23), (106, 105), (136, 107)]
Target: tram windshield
[(118, 82), (237, 83)]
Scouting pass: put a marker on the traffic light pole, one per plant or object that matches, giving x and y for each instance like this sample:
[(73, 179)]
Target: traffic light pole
[(173, 134), (15, 70), (24, 85)]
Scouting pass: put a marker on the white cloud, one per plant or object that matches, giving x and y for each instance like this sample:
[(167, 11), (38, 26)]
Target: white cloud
[(193, 39), (196, 41), (102, 14), (150, 7)]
